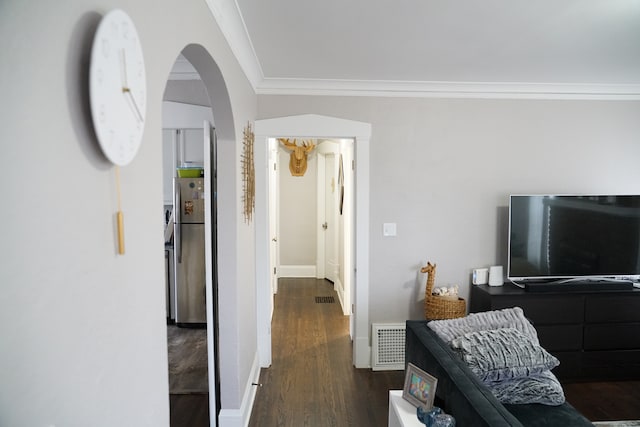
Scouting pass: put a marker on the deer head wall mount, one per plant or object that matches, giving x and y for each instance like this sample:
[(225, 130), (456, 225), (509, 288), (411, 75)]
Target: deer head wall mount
[(298, 157)]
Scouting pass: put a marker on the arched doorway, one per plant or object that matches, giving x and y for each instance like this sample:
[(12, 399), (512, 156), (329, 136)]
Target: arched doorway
[(314, 126), (218, 232)]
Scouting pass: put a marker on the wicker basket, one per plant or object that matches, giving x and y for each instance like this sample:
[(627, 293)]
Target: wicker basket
[(436, 308), (441, 307)]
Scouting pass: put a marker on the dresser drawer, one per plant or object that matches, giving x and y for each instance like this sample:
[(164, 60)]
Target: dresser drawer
[(611, 365), (570, 363), (553, 309), (612, 336), (612, 308), (560, 337)]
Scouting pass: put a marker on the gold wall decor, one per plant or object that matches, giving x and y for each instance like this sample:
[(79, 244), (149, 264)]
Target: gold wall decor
[(298, 157), (248, 174)]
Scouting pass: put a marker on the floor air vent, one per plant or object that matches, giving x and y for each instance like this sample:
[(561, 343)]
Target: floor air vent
[(387, 353), (324, 300)]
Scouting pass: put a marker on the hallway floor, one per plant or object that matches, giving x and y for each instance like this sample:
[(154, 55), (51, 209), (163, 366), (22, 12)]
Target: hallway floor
[(312, 381)]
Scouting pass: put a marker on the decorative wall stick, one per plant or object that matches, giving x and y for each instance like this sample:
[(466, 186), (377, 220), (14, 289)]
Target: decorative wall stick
[(248, 173)]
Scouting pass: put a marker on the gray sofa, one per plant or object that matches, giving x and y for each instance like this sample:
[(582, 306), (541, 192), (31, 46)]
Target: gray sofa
[(461, 394)]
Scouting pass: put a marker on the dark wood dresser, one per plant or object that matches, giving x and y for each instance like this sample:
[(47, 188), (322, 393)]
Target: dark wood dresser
[(595, 334)]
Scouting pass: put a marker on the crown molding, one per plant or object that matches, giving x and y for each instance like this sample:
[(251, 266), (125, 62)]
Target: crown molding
[(227, 14), (435, 89)]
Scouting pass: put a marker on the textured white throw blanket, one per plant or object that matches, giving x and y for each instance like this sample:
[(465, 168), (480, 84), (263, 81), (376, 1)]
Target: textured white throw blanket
[(450, 329), (501, 347)]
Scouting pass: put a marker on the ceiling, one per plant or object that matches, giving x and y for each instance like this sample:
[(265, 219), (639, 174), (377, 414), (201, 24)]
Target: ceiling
[(424, 47)]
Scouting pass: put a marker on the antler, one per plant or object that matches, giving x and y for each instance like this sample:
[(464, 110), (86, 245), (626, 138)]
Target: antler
[(289, 145), (308, 146)]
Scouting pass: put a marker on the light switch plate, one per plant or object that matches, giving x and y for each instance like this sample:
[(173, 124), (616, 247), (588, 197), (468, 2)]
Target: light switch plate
[(389, 229)]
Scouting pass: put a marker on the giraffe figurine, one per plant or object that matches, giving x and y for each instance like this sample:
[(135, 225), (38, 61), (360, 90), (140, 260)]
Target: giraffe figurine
[(430, 269)]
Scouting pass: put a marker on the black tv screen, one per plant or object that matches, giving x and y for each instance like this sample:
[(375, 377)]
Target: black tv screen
[(567, 237)]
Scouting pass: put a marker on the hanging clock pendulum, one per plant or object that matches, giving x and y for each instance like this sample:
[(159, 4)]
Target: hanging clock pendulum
[(118, 94), (119, 214)]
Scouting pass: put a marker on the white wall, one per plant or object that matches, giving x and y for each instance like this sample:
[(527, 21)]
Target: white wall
[(442, 169), (186, 91), (82, 329), (181, 115), (298, 217)]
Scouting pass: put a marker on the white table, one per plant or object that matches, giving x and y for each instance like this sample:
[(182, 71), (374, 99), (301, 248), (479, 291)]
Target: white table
[(401, 412)]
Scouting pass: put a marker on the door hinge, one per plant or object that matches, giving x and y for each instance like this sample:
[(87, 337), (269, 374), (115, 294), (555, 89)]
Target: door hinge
[(274, 271), (353, 165), (275, 166)]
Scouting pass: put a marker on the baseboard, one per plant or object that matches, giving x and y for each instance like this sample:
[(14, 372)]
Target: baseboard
[(240, 417), (297, 271), (362, 356), (337, 286)]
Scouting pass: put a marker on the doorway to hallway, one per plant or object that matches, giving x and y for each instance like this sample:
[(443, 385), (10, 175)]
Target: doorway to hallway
[(317, 127)]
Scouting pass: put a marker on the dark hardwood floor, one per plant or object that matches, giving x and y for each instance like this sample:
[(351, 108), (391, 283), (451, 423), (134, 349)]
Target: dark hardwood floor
[(312, 381), (187, 354), (189, 410), (188, 377), (605, 401)]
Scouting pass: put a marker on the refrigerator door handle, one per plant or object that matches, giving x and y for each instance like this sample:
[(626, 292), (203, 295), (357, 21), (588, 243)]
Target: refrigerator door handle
[(178, 223)]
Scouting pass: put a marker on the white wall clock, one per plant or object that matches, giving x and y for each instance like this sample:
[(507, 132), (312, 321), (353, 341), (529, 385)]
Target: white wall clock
[(117, 87)]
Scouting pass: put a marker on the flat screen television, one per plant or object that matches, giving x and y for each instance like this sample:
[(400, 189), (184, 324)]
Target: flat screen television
[(564, 238)]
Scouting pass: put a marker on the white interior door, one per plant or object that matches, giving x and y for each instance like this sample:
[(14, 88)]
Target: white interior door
[(332, 258), (330, 226), (348, 215), (273, 215), (320, 202)]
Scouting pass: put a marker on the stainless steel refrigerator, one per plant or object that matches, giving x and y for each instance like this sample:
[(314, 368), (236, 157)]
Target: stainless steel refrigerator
[(189, 251)]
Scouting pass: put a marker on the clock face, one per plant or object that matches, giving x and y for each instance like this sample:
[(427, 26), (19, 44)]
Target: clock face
[(117, 87)]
